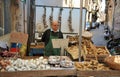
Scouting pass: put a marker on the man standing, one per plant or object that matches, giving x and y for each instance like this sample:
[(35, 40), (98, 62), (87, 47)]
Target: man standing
[(47, 37)]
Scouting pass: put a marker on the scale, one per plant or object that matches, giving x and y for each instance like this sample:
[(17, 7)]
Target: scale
[(60, 43)]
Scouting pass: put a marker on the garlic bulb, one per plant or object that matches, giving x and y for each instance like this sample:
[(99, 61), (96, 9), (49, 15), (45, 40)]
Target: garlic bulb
[(42, 66), (45, 61), (11, 69), (31, 64), (41, 58), (47, 66)]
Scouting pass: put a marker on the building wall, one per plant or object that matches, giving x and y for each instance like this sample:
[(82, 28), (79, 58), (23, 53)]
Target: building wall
[(117, 19), (7, 17), (110, 14), (17, 16), (113, 17), (1, 18)]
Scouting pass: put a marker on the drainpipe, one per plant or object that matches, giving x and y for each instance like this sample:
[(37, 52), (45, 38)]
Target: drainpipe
[(80, 30), (28, 26), (28, 16), (24, 16)]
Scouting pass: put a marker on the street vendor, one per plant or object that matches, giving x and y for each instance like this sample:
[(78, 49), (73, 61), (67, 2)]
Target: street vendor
[(48, 35)]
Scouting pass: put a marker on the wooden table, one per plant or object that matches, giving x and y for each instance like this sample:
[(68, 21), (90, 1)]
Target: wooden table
[(40, 73), (111, 73), (62, 72)]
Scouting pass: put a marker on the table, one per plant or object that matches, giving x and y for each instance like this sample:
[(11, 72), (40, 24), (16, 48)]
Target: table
[(111, 73), (37, 49), (62, 72), (39, 73)]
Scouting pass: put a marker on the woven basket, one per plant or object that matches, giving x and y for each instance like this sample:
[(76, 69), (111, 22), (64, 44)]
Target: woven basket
[(110, 62)]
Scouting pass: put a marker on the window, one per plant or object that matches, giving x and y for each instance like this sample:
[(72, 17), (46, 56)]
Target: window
[(5, 20), (1, 18)]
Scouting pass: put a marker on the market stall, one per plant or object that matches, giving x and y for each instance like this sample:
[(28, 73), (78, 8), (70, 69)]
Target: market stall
[(95, 58), (97, 62)]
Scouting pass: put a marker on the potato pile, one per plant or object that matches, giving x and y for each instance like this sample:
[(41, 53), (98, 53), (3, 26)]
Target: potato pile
[(91, 65)]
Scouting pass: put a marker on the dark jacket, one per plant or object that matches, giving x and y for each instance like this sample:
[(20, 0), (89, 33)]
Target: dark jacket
[(46, 35)]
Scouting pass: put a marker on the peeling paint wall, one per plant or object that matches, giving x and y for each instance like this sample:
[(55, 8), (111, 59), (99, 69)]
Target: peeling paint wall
[(17, 16), (110, 14)]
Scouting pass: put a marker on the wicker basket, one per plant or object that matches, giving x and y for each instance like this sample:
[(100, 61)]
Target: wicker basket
[(111, 63)]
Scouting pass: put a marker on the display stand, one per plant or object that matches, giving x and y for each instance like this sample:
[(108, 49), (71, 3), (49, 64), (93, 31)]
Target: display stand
[(60, 43)]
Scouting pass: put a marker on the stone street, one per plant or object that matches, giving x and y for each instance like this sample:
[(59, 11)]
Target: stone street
[(98, 36)]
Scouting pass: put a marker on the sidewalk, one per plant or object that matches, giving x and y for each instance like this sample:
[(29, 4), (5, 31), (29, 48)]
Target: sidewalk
[(98, 37)]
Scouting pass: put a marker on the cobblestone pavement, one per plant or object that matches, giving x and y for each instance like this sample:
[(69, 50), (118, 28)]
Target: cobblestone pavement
[(98, 37)]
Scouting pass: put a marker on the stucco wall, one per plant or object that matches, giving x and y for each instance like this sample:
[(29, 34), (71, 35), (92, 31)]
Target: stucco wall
[(117, 20)]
